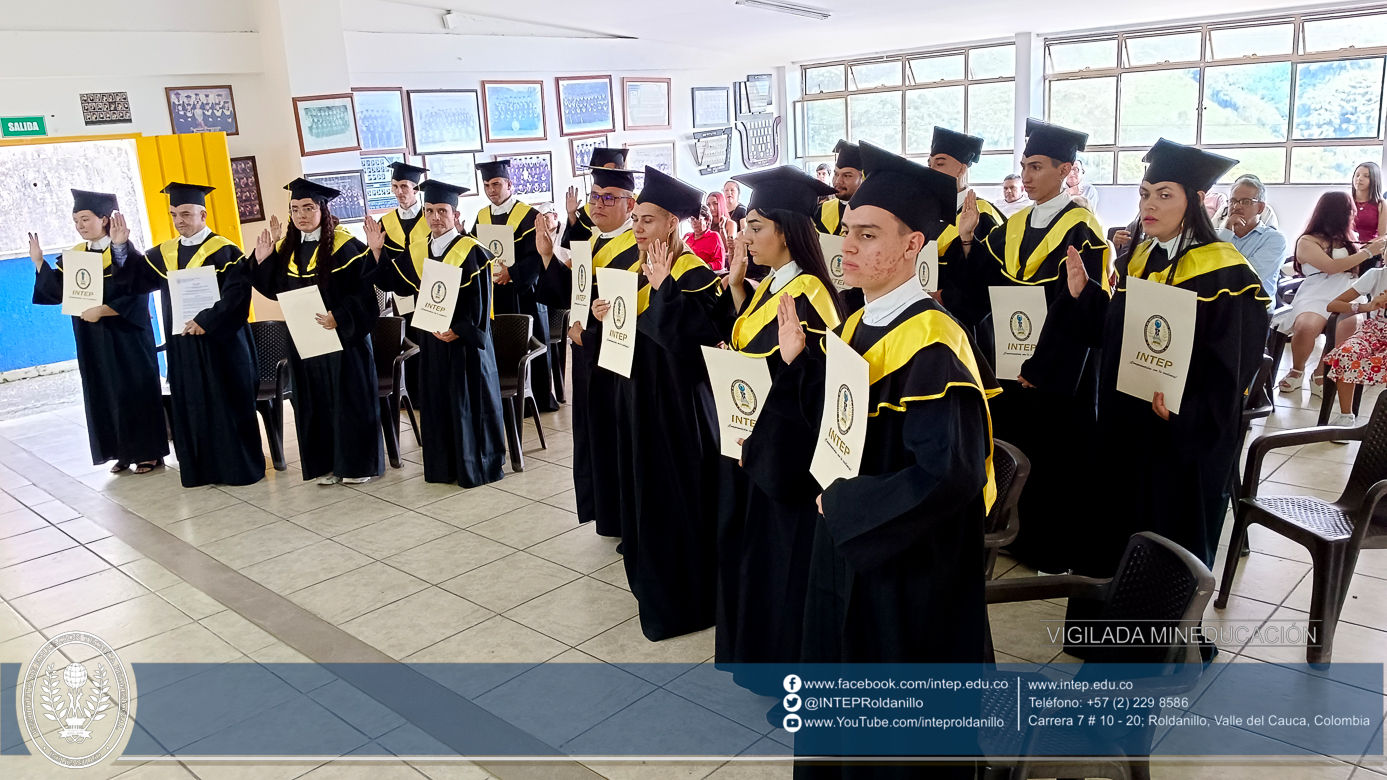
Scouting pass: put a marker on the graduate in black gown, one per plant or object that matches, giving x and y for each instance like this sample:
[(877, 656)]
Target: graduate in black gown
[(115, 344), (666, 423), (766, 531), (464, 436), (952, 153), (1174, 479), (213, 376), (1049, 412), (403, 225), (894, 573), (847, 177), (515, 285), (579, 225), (595, 471), (336, 407)]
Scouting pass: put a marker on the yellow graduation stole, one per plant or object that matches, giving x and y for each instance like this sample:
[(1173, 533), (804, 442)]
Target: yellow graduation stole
[(898, 347), (513, 221), (1195, 262), (602, 257), (686, 262), (169, 252), (1016, 228), (105, 255), (339, 237), (395, 229), (831, 214), (758, 316), (951, 232)]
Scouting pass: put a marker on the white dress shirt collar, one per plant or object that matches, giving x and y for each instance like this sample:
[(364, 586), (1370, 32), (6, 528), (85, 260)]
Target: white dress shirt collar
[(412, 211), (196, 238), (504, 207), (1168, 246), (1042, 214), (313, 236), (99, 245), (783, 276), (884, 309), (439, 244), (625, 226)]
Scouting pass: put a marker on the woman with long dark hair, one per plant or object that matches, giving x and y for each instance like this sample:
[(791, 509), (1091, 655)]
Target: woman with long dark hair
[(1369, 208), (1331, 261), (336, 410), (1175, 465), (765, 519)]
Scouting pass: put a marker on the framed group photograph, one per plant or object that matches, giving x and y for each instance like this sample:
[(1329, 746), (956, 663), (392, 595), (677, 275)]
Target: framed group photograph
[(445, 120), (514, 111), (202, 110), (459, 168), (327, 123), (711, 107), (585, 105), (646, 104), (659, 155), (580, 150), (105, 108), (246, 180), (532, 174), (380, 118), (375, 172), (350, 206)]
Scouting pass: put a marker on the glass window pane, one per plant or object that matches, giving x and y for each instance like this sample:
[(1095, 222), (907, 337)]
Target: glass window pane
[(1156, 49), (876, 74), (876, 118), (831, 78), (1130, 168), (1336, 34), (1269, 165), (1340, 99), (1097, 167), (1329, 164), (934, 69), (992, 113), (1068, 57), (1235, 42), (1246, 103), (990, 169), (925, 108), (826, 123), (1087, 105), (1159, 104), (994, 62)]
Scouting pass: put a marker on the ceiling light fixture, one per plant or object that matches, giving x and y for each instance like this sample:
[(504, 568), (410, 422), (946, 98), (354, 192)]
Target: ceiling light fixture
[(785, 8)]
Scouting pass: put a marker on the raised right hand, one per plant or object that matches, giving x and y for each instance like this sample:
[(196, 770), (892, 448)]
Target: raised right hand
[(570, 202), (375, 235), (736, 267), (968, 217), (35, 251), (276, 229), (544, 241), (1078, 275), (264, 246), (791, 331)]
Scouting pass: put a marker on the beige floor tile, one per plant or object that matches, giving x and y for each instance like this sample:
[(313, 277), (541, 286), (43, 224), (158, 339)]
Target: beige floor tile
[(274, 482), (83, 530), (277, 770), (415, 622), (1264, 577), (114, 551), (452, 770), (260, 544), (238, 632), (474, 506), (305, 497), (306, 566), (393, 476), (33, 544), (625, 644), (187, 502), (193, 602), (279, 653), (1364, 605), (577, 611), (349, 515), (19, 521), (526, 526), (580, 549), (1264, 540), (1352, 643), (567, 500), (192, 643), (1273, 488), (492, 641), (537, 482), (219, 524), (36, 767), (448, 556), (385, 538), (572, 656), (150, 574), (21, 649), (76, 598), (613, 574), (1020, 629), (510, 581), (1339, 453), (411, 493), (657, 770), (1371, 563), (364, 771), (1324, 475), (127, 622), (11, 624), (30, 495), (55, 511), (1240, 612), (748, 770), (1290, 769), (355, 593), (50, 570)]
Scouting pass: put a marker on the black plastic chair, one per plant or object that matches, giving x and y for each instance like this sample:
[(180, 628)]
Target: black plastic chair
[(1011, 468), (516, 348), (558, 348), (391, 349), (272, 357), (1333, 533)]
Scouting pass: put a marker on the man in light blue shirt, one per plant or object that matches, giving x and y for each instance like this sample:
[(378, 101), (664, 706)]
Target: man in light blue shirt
[(1262, 245)]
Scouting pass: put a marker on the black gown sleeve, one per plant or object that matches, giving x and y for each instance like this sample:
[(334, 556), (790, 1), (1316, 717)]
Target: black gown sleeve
[(48, 285), (137, 274), (525, 271), (555, 285), (687, 313), (1060, 352), (387, 274), (777, 454), (264, 276), (469, 318), (355, 309), (1230, 336)]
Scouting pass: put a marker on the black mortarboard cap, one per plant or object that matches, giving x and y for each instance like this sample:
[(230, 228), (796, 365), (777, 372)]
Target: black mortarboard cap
[(301, 188), (922, 198), (1053, 141), (614, 177), (497, 169), (960, 146), (603, 155), (436, 191), (680, 199), (181, 194), (1185, 165), (99, 203), (849, 155), (786, 187), (405, 172)]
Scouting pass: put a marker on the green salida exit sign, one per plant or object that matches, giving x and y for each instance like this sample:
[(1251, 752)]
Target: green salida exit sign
[(22, 126)]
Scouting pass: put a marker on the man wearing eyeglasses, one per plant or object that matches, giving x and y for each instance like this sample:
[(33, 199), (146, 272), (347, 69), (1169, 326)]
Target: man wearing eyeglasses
[(1262, 245)]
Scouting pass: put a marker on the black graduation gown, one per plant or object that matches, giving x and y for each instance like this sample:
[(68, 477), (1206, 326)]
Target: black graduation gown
[(953, 268), (595, 473), (399, 234), (667, 456), (766, 530), (1055, 422), (213, 378), (120, 370), (519, 295), (1173, 475), (336, 401), (460, 392)]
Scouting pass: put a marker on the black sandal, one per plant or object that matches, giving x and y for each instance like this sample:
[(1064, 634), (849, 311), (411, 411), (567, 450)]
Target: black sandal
[(119, 467), (145, 468)]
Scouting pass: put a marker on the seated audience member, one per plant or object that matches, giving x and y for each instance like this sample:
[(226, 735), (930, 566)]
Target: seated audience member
[(1215, 202), (1362, 358), (824, 173), (1013, 195), (1262, 245), (1077, 185), (703, 242)]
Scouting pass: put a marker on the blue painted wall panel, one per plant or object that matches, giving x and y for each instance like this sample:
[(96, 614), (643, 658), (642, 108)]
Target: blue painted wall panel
[(30, 335)]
